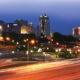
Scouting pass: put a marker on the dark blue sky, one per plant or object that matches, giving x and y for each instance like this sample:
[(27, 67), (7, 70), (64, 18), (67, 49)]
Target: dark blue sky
[(63, 14)]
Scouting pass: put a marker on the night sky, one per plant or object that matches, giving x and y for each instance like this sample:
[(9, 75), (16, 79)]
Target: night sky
[(63, 14)]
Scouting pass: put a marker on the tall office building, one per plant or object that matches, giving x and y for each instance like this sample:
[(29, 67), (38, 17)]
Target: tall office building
[(32, 27), (11, 27), (76, 32), (21, 22), (43, 27)]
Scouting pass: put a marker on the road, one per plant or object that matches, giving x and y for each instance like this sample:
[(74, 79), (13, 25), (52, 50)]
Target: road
[(61, 70)]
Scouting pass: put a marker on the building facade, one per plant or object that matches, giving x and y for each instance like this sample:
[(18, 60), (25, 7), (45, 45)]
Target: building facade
[(44, 27), (11, 27), (18, 27)]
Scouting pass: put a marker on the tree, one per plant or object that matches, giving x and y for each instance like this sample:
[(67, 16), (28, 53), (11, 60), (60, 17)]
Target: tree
[(64, 39)]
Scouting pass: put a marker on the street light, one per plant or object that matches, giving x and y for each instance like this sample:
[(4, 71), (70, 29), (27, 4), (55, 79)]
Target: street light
[(31, 51), (56, 52), (25, 40), (12, 41), (28, 48), (8, 39), (13, 52), (17, 43), (1, 39), (57, 43), (32, 42)]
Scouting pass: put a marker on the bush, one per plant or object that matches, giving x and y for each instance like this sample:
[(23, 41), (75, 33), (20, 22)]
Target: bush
[(67, 55)]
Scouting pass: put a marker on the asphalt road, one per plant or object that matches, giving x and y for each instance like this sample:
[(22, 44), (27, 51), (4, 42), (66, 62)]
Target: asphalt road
[(63, 70)]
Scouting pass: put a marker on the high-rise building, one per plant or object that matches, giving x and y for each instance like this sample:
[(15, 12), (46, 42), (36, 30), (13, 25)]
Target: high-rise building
[(76, 32), (43, 27), (1, 26), (32, 27), (21, 22), (11, 27)]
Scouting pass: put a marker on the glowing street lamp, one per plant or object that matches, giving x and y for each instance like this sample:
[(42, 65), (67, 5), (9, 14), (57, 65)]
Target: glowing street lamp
[(24, 46), (13, 52), (32, 41), (17, 43), (57, 44), (56, 50), (8, 38), (13, 41), (1, 39), (25, 41), (31, 51)]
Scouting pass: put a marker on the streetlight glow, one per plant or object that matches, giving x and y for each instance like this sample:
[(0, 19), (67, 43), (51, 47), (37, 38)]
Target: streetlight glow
[(1, 38), (32, 41), (57, 43), (8, 38), (24, 40), (17, 43)]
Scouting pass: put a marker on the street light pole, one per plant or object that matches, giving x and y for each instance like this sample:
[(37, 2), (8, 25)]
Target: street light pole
[(44, 56), (28, 51), (28, 48), (8, 39)]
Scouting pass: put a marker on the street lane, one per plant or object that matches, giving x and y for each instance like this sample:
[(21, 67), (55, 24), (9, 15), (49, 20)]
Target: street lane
[(63, 72)]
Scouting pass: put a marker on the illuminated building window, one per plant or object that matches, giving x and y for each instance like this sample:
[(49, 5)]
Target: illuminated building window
[(25, 30), (15, 24)]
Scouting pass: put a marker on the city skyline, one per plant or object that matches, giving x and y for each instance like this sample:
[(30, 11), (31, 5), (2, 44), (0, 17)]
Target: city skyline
[(39, 39), (63, 15)]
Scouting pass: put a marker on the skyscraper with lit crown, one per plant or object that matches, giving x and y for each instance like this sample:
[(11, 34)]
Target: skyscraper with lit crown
[(76, 32), (43, 27)]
